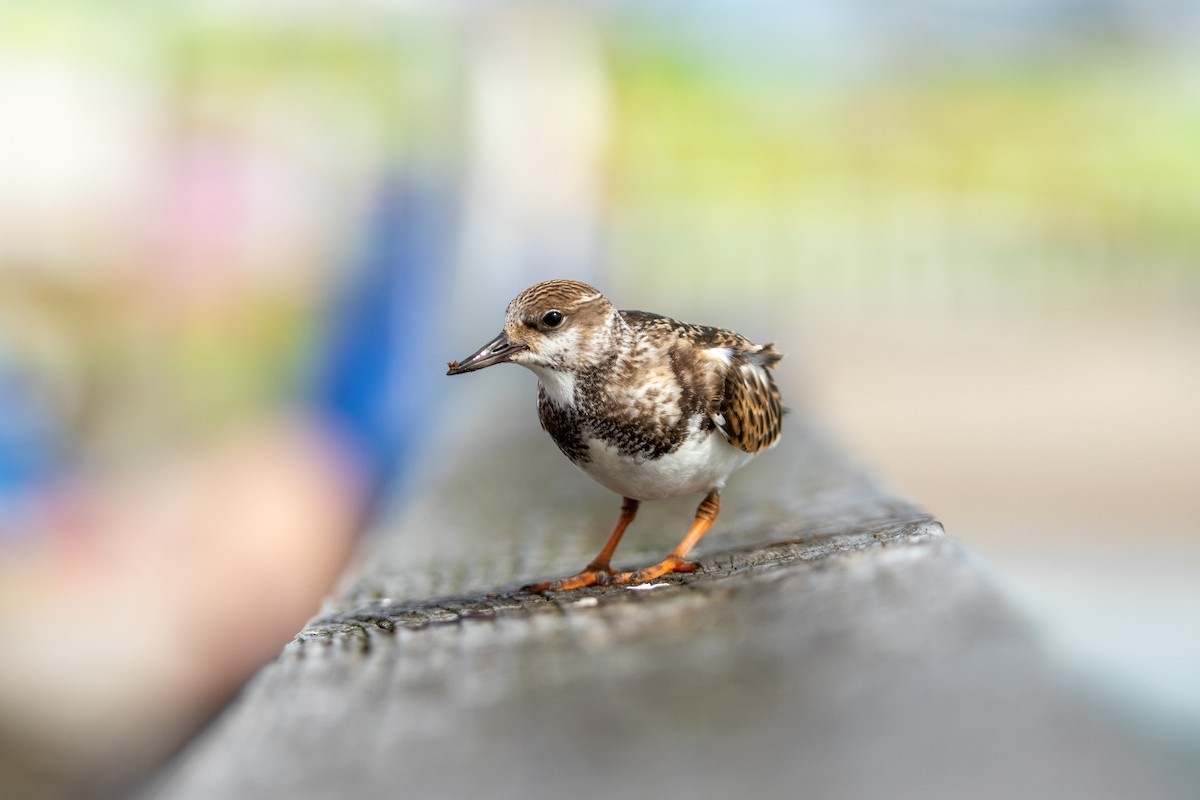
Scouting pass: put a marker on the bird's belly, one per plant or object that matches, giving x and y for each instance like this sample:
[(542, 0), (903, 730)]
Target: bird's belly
[(701, 463)]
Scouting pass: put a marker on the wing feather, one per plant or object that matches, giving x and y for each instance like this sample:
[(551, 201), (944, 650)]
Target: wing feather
[(748, 410), (751, 411)]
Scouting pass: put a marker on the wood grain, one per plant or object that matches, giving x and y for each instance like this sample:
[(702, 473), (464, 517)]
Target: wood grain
[(837, 644)]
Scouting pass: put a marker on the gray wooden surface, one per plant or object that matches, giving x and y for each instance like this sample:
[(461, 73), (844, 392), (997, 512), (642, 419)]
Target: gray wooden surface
[(838, 645)]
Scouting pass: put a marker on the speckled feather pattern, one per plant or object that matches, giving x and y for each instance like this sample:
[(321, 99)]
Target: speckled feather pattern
[(727, 376), (646, 384), (646, 405), (662, 382)]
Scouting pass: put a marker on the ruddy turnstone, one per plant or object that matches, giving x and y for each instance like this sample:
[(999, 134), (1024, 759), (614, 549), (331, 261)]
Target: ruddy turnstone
[(647, 406)]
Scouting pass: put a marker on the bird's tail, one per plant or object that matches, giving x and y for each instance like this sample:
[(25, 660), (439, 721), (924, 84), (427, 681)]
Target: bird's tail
[(765, 355)]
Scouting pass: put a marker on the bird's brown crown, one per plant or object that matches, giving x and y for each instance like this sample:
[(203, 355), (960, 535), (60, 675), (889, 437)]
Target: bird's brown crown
[(567, 297)]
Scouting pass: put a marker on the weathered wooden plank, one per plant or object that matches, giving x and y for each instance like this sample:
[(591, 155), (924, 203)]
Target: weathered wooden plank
[(836, 645)]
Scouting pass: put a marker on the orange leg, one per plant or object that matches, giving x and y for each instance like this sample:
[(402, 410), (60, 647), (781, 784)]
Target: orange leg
[(600, 569), (706, 515)]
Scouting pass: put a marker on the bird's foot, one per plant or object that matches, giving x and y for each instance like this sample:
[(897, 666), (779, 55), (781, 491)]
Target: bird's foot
[(665, 567), (592, 575)]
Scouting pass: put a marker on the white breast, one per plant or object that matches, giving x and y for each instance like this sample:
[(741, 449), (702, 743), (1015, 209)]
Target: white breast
[(702, 462)]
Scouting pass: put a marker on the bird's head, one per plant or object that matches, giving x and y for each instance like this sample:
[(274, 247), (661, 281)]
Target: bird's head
[(558, 326)]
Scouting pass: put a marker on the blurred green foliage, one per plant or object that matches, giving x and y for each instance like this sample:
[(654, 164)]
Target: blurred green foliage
[(1088, 170)]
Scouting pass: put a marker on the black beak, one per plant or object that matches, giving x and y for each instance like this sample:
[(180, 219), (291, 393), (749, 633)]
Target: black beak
[(497, 351)]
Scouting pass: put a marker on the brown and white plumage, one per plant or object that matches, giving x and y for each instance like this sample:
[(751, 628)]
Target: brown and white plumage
[(648, 406), (746, 407)]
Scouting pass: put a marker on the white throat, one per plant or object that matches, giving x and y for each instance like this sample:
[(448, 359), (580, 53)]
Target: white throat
[(559, 386)]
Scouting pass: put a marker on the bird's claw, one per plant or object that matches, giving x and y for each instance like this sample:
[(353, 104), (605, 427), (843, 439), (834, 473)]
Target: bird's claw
[(592, 576), (604, 576), (666, 566)]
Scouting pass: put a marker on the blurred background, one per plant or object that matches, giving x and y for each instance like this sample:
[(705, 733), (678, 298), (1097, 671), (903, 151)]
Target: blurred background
[(973, 226)]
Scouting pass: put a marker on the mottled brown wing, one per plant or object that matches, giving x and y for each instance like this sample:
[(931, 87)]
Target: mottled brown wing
[(751, 412)]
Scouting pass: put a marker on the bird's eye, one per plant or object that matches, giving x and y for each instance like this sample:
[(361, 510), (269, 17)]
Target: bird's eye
[(552, 319)]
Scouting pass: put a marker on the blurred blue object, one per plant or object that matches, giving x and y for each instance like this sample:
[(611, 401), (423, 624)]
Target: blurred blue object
[(31, 439), (370, 387)]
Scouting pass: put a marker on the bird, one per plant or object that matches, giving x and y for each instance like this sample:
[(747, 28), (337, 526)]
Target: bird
[(647, 406)]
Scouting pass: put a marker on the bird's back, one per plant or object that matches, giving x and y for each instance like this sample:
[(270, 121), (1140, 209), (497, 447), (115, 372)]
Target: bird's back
[(730, 376)]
